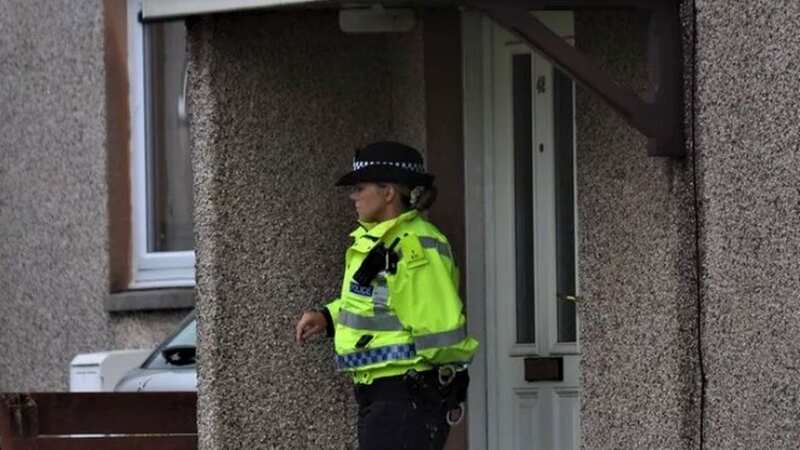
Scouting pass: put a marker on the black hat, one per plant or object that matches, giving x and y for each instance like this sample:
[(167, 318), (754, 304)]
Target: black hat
[(390, 162)]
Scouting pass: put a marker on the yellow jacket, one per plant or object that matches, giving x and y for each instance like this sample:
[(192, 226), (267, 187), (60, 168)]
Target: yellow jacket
[(410, 319)]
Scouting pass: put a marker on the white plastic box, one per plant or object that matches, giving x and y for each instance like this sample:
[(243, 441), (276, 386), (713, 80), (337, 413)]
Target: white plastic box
[(100, 372)]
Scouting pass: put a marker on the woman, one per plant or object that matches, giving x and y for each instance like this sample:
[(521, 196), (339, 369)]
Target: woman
[(399, 328)]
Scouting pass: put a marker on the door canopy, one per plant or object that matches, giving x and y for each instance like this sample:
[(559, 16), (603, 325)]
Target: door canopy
[(658, 116)]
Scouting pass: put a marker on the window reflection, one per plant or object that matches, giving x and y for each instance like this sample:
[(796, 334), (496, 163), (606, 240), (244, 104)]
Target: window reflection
[(169, 169)]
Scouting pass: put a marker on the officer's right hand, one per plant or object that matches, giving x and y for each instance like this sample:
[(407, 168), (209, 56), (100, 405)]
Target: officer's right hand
[(311, 324)]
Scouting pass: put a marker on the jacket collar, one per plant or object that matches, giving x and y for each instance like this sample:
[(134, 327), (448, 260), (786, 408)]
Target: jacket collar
[(378, 229)]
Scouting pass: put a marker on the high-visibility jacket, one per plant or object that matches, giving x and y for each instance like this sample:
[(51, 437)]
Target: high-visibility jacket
[(410, 319)]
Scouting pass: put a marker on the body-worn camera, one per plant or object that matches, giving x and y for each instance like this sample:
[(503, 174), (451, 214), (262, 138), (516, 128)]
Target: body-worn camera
[(379, 259)]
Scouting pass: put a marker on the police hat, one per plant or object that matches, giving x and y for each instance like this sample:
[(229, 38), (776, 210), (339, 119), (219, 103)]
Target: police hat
[(388, 162)]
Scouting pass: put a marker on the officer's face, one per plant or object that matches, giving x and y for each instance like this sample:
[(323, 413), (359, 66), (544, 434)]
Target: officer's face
[(370, 201)]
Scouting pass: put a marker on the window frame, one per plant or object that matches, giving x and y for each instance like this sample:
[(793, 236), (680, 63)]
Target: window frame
[(148, 269)]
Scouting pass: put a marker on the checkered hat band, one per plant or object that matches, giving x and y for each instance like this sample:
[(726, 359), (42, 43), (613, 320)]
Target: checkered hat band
[(376, 355), (419, 168)]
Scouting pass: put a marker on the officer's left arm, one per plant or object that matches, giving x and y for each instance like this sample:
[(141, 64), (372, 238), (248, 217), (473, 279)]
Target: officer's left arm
[(427, 302)]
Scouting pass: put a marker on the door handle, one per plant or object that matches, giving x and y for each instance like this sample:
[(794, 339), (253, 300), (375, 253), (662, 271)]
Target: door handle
[(571, 298)]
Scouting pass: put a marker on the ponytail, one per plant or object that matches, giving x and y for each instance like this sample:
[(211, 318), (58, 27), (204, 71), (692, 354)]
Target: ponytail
[(420, 198), (425, 198)]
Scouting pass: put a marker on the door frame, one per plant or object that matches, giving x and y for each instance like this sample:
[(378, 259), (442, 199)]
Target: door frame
[(478, 135)]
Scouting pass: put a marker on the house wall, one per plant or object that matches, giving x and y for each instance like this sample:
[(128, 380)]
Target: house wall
[(54, 248), (279, 101), (642, 349), (636, 263), (748, 67)]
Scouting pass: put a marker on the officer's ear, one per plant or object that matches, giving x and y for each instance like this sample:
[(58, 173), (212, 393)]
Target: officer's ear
[(390, 192)]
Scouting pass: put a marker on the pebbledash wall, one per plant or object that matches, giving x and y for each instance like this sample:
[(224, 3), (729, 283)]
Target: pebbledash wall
[(748, 144), (54, 245), (279, 102), (636, 214), (650, 379)]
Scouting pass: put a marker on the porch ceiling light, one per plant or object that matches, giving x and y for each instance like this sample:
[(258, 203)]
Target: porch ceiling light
[(376, 19)]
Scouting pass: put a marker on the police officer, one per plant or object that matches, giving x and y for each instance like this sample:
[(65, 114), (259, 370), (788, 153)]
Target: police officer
[(398, 325)]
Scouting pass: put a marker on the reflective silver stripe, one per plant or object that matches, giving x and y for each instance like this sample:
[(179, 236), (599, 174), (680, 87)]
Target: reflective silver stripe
[(380, 295), (380, 322), (440, 339), (381, 309), (439, 246)]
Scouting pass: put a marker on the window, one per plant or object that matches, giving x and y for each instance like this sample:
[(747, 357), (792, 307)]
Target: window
[(524, 197), (161, 171)]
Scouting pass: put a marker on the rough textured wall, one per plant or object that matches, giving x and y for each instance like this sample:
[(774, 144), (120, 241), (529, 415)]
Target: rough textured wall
[(143, 329), (406, 84), (279, 100), (748, 66), (637, 247), (52, 189), (53, 197)]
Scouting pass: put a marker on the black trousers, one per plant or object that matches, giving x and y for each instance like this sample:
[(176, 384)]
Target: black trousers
[(394, 414)]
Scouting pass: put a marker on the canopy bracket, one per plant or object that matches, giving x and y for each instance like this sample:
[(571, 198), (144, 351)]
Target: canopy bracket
[(660, 115)]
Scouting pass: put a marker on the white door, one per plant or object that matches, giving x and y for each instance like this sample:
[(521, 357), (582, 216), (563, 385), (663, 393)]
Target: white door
[(531, 258)]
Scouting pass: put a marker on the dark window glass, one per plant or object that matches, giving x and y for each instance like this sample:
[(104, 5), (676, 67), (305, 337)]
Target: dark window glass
[(523, 197), (565, 204), (187, 336), (169, 169)]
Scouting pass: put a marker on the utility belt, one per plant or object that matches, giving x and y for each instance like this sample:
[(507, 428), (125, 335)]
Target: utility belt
[(445, 387)]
